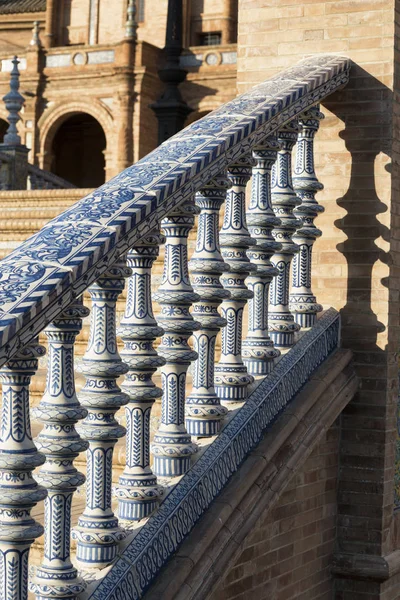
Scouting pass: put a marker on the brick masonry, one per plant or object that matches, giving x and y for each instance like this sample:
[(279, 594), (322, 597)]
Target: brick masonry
[(356, 262), (289, 551)]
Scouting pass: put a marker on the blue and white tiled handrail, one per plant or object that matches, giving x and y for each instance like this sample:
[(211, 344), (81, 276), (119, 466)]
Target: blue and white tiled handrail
[(85, 248)]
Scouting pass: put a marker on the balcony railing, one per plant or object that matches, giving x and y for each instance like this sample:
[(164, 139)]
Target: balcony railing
[(260, 258)]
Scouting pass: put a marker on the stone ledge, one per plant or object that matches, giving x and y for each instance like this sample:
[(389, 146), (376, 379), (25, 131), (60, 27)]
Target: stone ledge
[(366, 567), (214, 543)]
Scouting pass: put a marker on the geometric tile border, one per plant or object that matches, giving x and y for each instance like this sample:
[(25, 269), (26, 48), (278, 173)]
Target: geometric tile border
[(161, 535)]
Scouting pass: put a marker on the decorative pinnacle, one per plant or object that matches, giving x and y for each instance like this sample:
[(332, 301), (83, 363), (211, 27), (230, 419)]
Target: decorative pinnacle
[(14, 102), (35, 41), (131, 25)]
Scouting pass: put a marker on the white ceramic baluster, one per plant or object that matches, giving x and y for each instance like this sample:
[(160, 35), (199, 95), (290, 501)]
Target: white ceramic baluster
[(98, 532), (203, 409), (60, 410), (137, 489), (259, 352), (231, 377), (172, 447), (281, 323), (19, 492), (303, 303)]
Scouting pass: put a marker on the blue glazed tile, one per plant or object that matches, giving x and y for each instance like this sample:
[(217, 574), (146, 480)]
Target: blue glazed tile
[(126, 207)]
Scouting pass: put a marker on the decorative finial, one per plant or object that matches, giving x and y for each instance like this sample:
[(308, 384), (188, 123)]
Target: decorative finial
[(14, 102), (131, 25), (35, 41)]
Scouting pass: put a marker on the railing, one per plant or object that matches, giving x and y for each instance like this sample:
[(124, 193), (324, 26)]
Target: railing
[(5, 164), (113, 235), (43, 180), (33, 178)]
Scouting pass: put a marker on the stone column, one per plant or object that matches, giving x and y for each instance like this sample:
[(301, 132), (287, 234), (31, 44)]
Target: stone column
[(203, 409), (281, 323), (303, 303), (19, 492), (172, 447), (97, 532), (49, 36), (231, 375), (60, 410), (259, 352), (137, 489)]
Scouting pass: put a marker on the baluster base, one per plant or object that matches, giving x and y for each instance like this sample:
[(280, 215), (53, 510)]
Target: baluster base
[(172, 454), (259, 356), (231, 382), (281, 329), (204, 415), (47, 584), (138, 496), (97, 541), (304, 309)]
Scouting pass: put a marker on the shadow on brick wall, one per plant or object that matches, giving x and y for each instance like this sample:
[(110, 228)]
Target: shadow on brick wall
[(368, 424)]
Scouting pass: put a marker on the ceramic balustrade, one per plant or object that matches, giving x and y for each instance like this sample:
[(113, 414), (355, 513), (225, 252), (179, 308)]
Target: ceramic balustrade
[(230, 268)]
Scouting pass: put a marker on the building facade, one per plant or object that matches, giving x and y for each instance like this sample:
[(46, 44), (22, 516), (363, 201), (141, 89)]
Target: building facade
[(89, 76)]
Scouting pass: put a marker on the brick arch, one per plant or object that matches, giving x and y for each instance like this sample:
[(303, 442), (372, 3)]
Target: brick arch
[(55, 116)]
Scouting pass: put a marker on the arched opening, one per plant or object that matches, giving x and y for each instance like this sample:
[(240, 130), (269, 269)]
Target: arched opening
[(3, 129), (78, 151)]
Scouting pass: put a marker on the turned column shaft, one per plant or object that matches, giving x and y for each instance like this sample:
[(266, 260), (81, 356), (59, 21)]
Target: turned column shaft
[(303, 303), (203, 409), (97, 532), (172, 447), (137, 489), (231, 375), (281, 323), (19, 492), (59, 411), (258, 349)]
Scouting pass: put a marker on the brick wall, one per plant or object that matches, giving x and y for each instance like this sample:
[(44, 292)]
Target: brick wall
[(356, 262), (289, 552)]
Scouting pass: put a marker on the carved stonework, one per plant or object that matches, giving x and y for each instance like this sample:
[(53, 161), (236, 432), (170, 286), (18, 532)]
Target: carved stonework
[(302, 301), (281, 323), (259, 352), (137, 489), (203, 409), (231, 375), (172, 447)]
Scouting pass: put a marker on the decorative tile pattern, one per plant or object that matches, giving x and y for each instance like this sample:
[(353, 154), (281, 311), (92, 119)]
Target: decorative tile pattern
[(172, 447), (59, 411), (137, 489), (41, 277), (259, 352), (203, 409), (231, 377), (97, 533), (159, 538)]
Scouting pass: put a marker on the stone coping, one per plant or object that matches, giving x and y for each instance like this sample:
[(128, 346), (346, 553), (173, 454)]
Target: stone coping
[(155, 542), (40, 278)]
